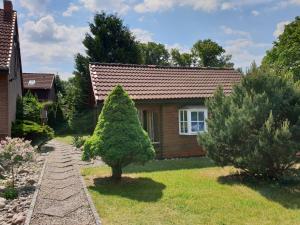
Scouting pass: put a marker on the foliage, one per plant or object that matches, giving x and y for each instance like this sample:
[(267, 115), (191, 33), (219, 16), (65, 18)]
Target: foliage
[(181, 59), (257, 128), (208, 53), (29, 108), (285, 55), (35, 132), (83, 122), (56, 117), (59, 85), (154, 54), (10, 193), (14, 151), (119, 137), (78, 141)]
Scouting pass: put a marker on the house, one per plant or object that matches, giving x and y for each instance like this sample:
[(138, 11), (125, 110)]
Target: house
[(170, 100), (40, 84), (10, 67)]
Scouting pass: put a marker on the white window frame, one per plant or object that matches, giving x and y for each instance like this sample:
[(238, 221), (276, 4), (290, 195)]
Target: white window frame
[(189, 111)]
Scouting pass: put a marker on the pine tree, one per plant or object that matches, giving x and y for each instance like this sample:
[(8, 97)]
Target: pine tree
[(119, 137)]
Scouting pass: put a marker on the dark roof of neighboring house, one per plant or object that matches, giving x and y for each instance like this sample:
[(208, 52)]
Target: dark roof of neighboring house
[(7, 30), (158, 82), (38, 80)]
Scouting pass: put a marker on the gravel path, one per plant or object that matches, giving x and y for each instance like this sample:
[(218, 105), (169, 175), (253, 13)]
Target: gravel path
[(62, 198)]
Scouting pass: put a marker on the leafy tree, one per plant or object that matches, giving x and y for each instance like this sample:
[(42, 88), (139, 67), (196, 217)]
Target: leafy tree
[(253, 69), (29, 108), (257, 128), (154, 54), (181, 59), (59, 85), (119, 137), (285, 54), (208, 53)]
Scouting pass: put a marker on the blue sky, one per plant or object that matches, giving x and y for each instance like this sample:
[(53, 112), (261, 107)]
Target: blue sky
[(51, 31)]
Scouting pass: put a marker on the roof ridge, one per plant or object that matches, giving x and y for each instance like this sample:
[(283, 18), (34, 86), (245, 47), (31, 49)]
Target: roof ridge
[(159, 66)]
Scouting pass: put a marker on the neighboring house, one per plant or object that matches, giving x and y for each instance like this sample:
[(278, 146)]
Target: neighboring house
[(40, 84), (170, 100), (10, 67)]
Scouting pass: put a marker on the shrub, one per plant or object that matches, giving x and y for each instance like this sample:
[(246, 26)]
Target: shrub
[(257, 128), (29, 130), (119, 137), (14, 151), (78, 141), (83, 122), (29, 108), (10, 193)]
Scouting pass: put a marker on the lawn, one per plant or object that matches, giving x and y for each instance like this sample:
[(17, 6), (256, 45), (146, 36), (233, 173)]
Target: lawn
[(67, 139), (190, 191)]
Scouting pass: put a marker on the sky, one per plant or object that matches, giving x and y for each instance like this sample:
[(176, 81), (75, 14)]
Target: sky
[(51, 31)]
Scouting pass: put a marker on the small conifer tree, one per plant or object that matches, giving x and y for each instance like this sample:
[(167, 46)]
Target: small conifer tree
[(119, 138)]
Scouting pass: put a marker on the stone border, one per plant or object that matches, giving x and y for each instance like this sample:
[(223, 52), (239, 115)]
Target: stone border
[(34, 198), (92, 206)]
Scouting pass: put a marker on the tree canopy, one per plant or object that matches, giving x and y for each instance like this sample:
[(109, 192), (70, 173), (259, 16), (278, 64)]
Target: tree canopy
[(285, 54), (181, 59), (208, 53), (154, 54)]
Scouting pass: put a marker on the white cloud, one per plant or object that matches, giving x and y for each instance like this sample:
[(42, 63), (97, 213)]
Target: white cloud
[(244, 51), (280, 28), (71, 9), (141, 35), (230, 31), (201, 5), (255, 12), (159, 5), (119, 6), (35, 6), (46, 43)]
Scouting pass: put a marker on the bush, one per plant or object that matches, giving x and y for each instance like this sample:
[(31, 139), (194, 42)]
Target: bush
[(29, 130), (29, 108), (78, 141), (257, 128), (14, 151), (10, 193), (82, 122), (119, 137)]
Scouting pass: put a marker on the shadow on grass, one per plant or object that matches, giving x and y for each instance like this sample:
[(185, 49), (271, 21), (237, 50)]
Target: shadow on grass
[(170, 164), (139, 189), (286, 193)]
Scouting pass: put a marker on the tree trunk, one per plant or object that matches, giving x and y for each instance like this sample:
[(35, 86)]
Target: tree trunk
[(117, 172)]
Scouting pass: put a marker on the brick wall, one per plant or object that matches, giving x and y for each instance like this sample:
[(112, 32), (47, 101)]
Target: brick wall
[(175, 145), (3, 105)]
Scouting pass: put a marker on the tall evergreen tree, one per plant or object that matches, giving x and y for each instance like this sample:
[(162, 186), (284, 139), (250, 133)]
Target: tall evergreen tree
[(119, 137), (109, 41)]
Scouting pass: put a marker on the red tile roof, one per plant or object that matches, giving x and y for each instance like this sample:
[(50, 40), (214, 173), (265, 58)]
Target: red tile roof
[(157, 82), (7, 30), (38, 80)]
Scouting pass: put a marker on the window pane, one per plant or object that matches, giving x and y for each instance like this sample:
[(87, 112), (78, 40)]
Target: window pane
[(185, 115), (181, 115), (201, 116), (197, 126), (194, 116), (183, 127)]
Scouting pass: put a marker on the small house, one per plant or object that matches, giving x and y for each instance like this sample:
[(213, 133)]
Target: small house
[(10, 67), (170, 100), (40, 84)]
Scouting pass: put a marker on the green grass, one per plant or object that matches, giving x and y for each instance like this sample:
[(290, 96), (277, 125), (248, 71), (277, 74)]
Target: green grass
[(189, 191), (67, 139)]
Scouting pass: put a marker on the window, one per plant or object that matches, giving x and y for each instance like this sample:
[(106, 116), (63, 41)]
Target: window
[(192, 120), (149, 121), (31, 82)]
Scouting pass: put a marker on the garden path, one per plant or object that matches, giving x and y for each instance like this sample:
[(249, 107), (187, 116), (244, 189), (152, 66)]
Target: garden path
[(62, 198)]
